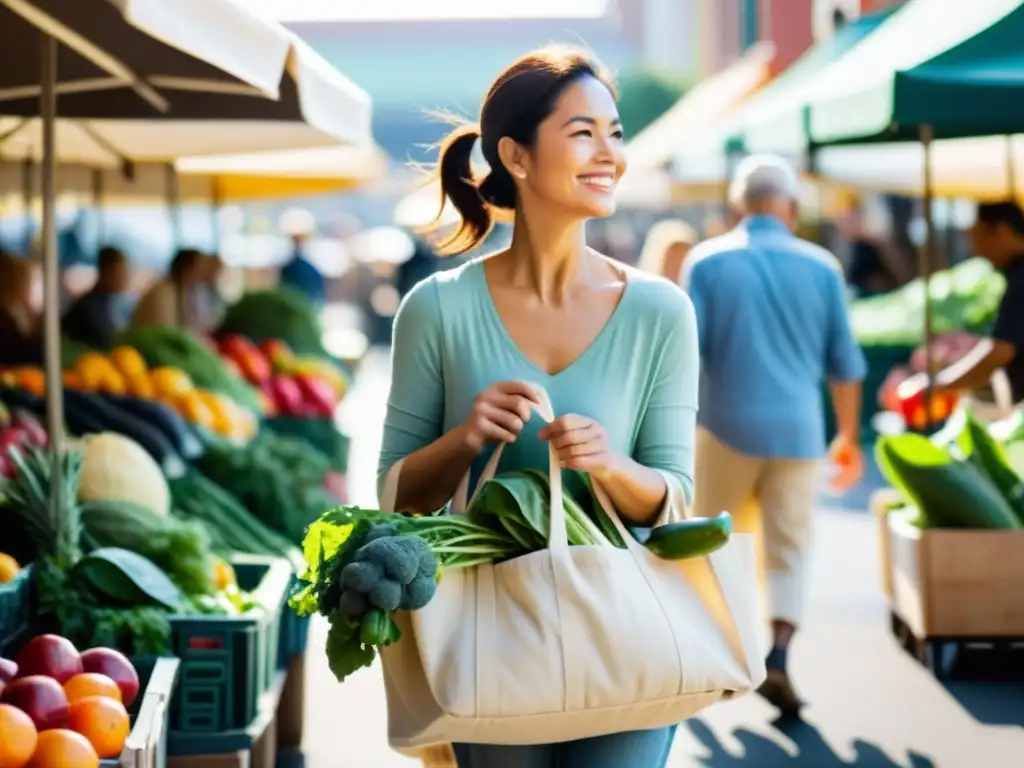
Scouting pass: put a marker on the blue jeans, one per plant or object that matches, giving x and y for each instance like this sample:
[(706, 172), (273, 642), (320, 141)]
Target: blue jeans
[(635, 749)]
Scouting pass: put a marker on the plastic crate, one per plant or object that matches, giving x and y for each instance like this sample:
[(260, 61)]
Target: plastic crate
[(147, 743), (180, 744), (15, 602), (294, 632), (229, 662)]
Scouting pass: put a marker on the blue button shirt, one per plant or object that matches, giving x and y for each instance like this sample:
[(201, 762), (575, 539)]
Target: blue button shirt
[(773, 325)]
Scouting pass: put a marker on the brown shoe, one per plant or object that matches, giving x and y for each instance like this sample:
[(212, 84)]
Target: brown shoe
[(777, 690)]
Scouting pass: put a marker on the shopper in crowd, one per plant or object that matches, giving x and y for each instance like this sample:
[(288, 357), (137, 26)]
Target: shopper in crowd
[(665, 248), (97, 317), (772, 315), (20, 331), (997, 235), (302, 275), (615, 348), (206, 301), (169, 301), (422, 264)]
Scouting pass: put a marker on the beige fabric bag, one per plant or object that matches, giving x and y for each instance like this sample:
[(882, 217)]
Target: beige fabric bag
[(572, 642)]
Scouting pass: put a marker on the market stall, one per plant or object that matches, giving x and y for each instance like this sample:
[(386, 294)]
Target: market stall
[(118, 542)]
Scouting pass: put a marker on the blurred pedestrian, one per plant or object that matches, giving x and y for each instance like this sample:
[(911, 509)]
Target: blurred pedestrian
[(772, 317), (665, 248), (422, 264), (997, 235), (301, 274), (168, 302), (97, 317), (206, 300), (20, 329)]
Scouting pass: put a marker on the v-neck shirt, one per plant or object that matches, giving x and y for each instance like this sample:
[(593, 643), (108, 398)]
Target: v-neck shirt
[(638, 378)]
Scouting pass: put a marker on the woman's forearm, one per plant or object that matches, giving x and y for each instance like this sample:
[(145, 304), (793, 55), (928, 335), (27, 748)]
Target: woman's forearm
[(430, 476), (637, 492)]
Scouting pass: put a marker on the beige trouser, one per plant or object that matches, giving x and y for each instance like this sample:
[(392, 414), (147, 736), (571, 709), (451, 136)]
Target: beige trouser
[(785, 490)]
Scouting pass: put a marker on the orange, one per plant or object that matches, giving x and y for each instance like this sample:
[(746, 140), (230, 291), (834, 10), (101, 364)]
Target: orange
[(87, 684), (104, 722), (93, 369), (31, 380), (17, 737), (8, 568), (64, 748), (223, 575), (128, 361), (141, 386), (171, 382), (72, 380), (114, 383), (194, 408)]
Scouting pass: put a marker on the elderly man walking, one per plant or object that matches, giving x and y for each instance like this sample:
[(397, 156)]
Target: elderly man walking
[(773, 325)]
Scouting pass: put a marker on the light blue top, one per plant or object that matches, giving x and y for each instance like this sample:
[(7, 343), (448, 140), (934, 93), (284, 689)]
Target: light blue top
[(638, 379), (771, 311)]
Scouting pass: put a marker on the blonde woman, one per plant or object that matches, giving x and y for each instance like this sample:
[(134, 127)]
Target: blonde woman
[(665, 248)]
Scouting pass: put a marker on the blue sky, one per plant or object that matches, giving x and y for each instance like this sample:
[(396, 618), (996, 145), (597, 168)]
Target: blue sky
[(355, 10)]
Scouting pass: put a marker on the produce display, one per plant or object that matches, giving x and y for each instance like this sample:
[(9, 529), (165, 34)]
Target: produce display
[(964, 297), (19, 429), (59, 707), (362, 565), (960, 478), (119, 391), (281, 480), (281, 314), (178, 350), (303, 387), (95, 563)]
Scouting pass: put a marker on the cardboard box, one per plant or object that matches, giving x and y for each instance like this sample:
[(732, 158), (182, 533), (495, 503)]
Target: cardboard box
[(957, 583)]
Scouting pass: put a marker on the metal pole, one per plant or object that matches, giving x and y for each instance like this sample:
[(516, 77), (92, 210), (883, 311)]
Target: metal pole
[(173, 204), (51, 269), (28, 170), (925, 260)]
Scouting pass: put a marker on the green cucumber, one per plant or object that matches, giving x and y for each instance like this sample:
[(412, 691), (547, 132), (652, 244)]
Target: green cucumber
[(990, 457), (949, 493), (695, 537)]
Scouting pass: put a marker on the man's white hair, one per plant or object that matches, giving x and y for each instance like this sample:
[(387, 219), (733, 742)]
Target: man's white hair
[(759, 178)]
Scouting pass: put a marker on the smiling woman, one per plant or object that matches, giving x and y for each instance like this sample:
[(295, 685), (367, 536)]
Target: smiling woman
[(476, 348)]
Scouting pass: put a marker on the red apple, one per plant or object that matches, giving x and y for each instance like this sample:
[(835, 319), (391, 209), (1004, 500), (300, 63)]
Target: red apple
[(49, 655), (115, 665), (8, 670), (41, 698)]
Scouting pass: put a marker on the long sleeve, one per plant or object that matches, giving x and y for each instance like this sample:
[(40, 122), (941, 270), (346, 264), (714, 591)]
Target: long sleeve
[(415, 413), (845, 358), (667, 429)]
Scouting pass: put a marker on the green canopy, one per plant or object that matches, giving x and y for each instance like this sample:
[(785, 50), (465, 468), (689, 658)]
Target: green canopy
[(957, 67), (744, 128)]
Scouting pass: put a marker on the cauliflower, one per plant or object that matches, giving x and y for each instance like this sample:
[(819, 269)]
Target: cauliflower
[(389, 572)]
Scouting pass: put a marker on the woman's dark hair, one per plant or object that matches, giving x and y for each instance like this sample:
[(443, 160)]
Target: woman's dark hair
[(517, 102), (185, 261)]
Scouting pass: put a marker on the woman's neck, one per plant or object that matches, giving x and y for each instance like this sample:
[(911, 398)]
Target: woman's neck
[(547, 256)]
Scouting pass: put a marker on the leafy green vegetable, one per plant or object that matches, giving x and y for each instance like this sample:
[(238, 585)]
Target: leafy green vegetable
[(127, 578)]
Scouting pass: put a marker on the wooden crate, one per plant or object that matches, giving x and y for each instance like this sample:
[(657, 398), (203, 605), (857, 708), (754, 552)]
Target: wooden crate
[(957, 584), (880, 503)]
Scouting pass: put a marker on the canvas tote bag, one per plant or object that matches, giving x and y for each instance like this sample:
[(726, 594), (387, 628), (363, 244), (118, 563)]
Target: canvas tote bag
[(1001, 406), (571, 642)]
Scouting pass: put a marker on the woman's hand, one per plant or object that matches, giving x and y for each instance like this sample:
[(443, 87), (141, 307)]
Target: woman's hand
[(581, 443), (499, 414)]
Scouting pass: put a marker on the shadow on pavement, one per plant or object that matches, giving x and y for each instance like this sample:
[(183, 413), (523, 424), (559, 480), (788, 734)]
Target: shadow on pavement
[(812, 750), (990, 704)]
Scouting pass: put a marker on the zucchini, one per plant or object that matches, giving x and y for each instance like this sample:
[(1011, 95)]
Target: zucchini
[(695, 537), (166, 419), (949, 493), (990, 457), (115, 419)]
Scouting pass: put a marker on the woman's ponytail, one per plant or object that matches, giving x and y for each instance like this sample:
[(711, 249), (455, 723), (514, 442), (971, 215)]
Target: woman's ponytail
[(455, 172)]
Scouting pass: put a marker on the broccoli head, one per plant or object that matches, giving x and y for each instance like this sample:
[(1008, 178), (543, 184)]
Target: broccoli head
[(390, 573)]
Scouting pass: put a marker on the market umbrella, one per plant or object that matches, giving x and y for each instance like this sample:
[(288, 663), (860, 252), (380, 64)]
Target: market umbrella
[(138, 74)]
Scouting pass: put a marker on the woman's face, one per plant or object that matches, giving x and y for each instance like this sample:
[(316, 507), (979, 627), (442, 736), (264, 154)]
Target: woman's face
[(578, 156)]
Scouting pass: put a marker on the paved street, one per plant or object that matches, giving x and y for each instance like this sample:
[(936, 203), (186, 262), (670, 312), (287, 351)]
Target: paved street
[(871, 704)]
